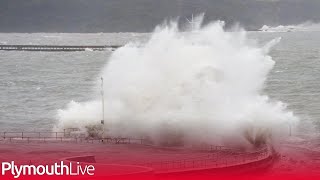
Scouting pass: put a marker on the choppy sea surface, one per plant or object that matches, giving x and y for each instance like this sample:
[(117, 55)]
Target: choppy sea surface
[(34, 85)]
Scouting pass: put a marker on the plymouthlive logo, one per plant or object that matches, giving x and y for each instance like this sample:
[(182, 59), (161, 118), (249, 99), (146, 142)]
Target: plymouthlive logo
[(57, 169)]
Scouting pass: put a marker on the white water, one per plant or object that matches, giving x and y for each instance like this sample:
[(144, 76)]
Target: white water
[(203, 86), (307, 26)]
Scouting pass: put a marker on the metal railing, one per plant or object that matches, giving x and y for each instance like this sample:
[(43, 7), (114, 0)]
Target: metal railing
[(218, 156), (218, 160), (65, 136)]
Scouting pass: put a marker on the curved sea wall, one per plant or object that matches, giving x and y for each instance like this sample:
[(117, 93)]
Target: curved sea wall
[(247, 163), (255, 166), (253, 162)]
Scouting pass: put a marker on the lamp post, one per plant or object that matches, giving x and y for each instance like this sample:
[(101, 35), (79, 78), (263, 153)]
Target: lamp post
[(102, 101), (290, 129)]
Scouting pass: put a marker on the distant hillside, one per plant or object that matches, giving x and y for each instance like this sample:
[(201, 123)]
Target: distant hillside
[(144, 15)]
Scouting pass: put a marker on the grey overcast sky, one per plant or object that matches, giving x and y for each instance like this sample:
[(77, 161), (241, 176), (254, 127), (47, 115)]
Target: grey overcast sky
[(144, 15)]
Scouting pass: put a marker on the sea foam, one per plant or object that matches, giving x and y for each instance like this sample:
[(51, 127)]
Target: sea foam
[(203, 85)]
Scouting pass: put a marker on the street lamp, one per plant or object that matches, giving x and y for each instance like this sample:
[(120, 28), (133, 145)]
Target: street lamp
[(102, 101)]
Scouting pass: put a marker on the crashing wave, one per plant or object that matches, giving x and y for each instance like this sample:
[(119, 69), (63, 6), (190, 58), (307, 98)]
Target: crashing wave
[(186, 88), (307, 26)]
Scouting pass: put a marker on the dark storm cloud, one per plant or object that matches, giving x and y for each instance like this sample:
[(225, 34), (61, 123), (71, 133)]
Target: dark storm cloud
[(144, 15)]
